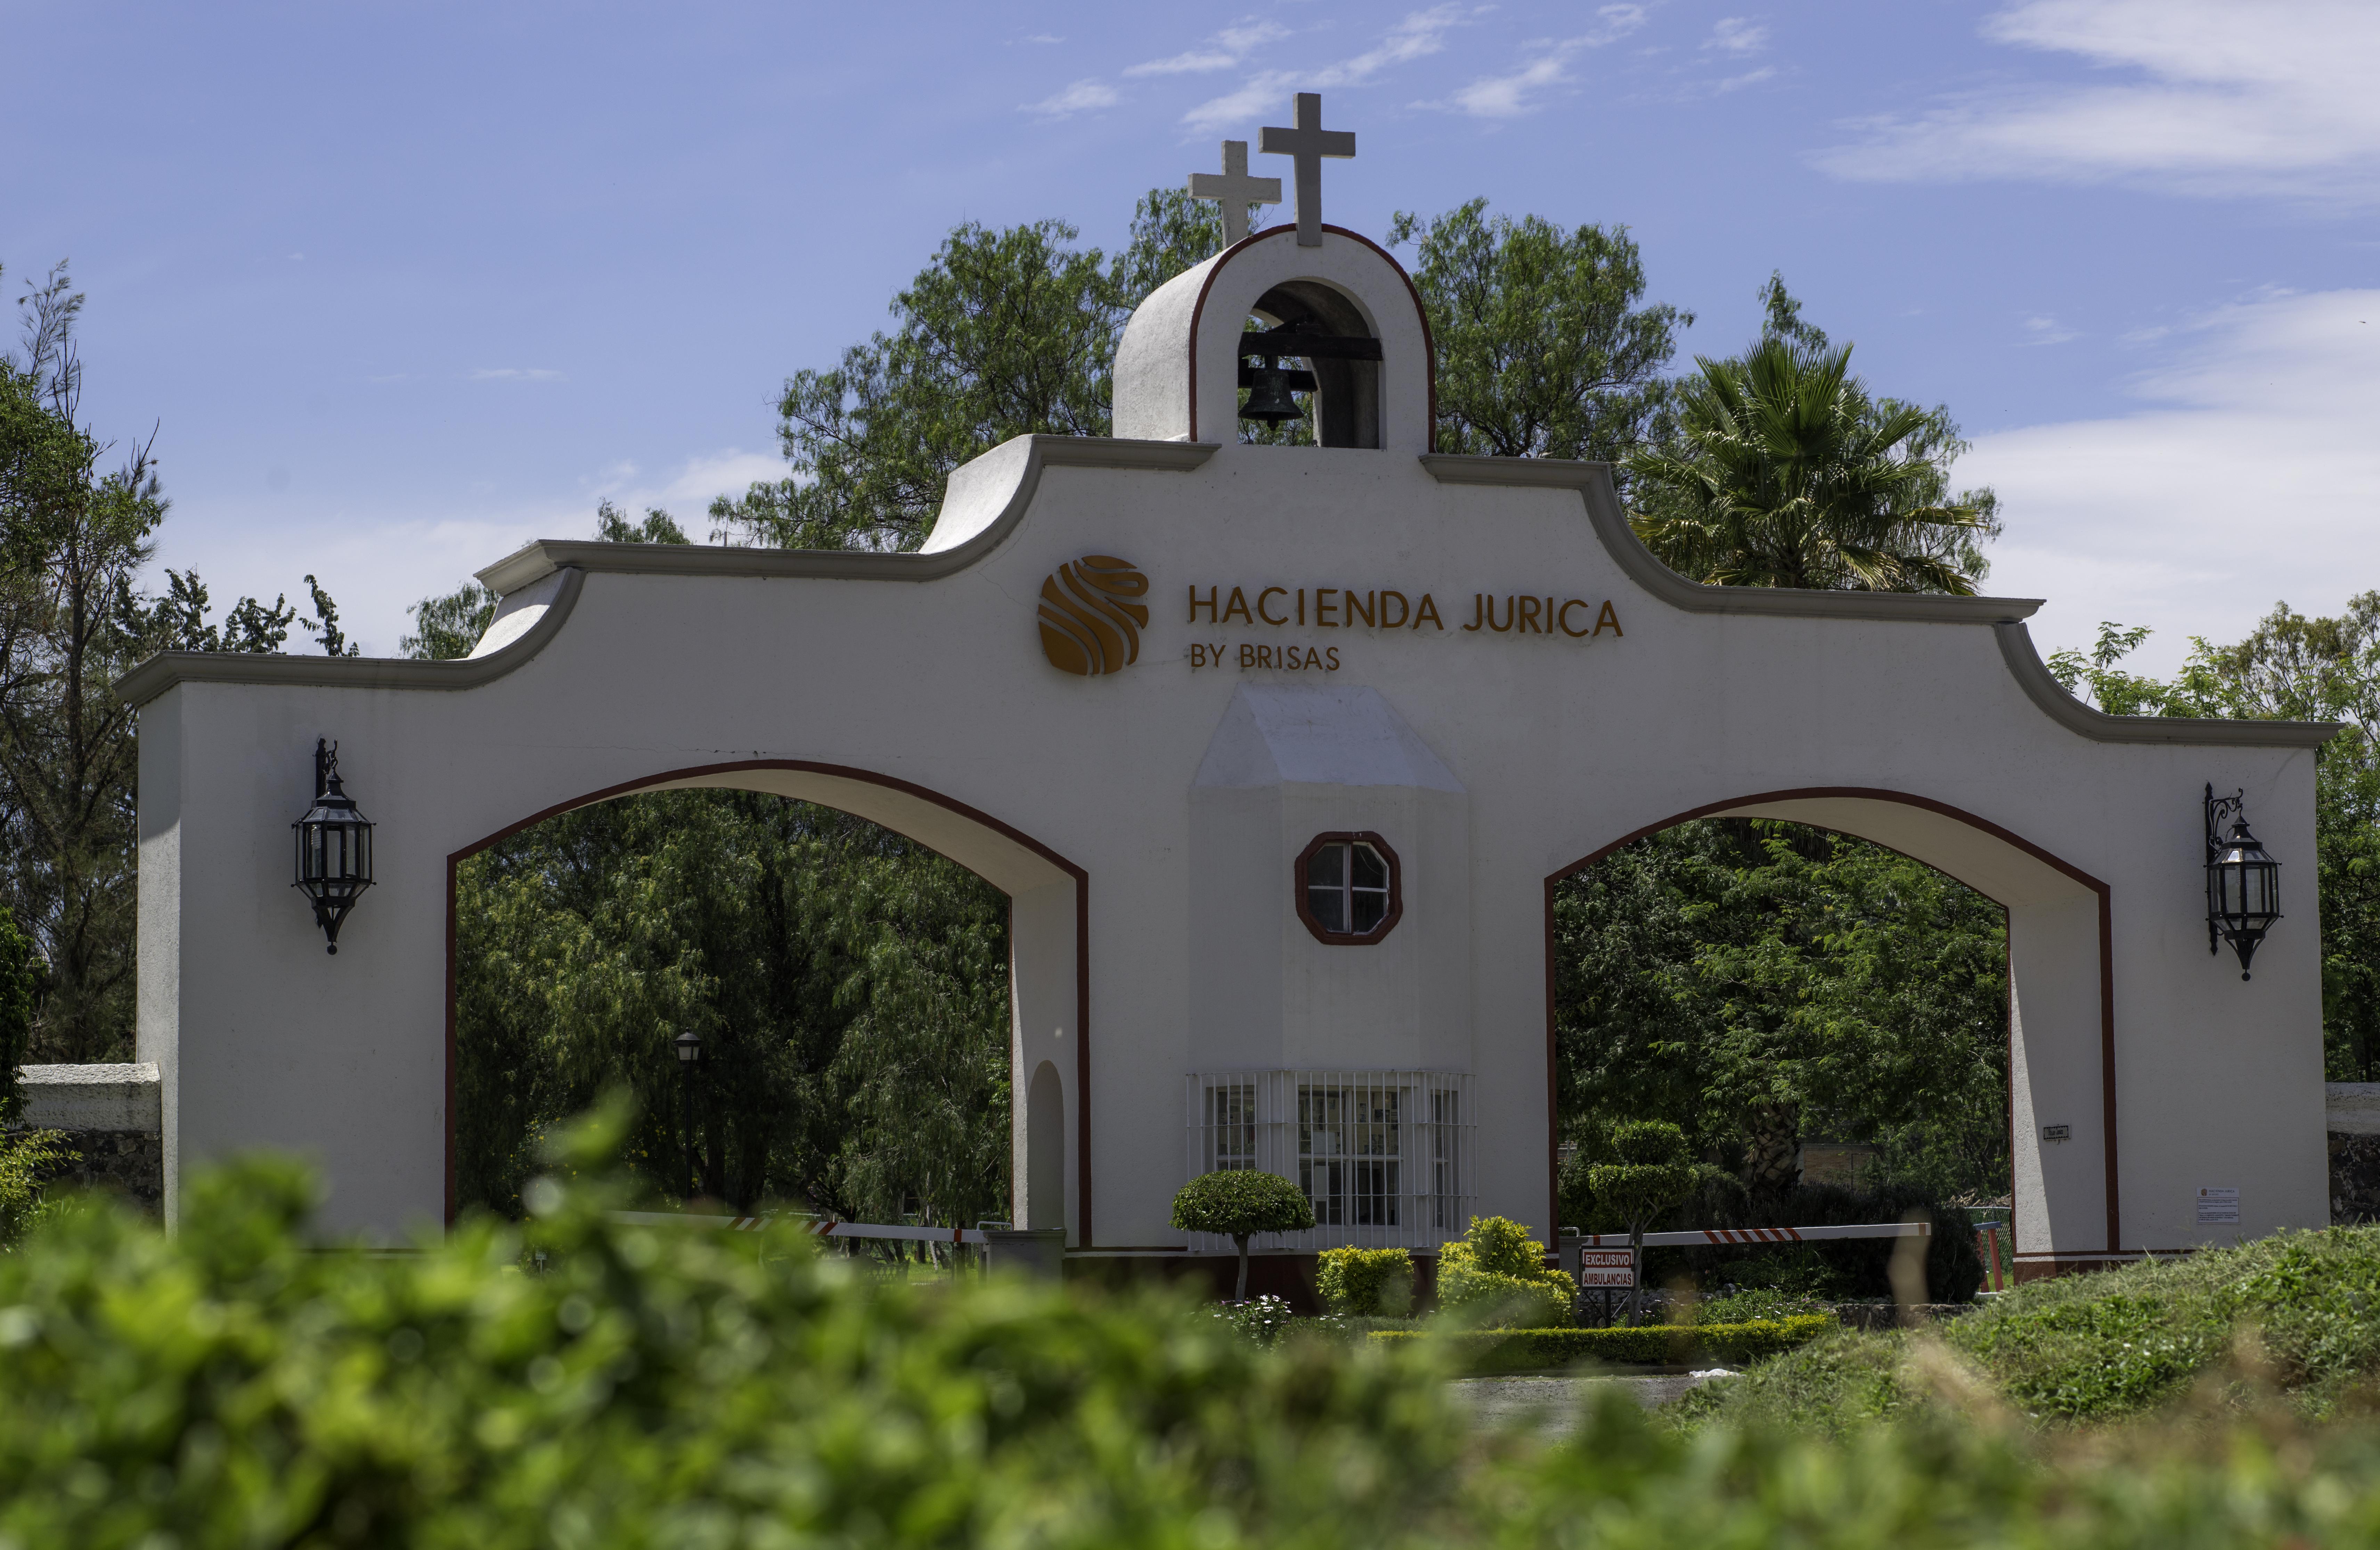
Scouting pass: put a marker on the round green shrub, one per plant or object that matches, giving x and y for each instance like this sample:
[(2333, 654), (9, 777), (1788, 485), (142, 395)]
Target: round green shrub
[(1496, 1272), (1367, 1283)]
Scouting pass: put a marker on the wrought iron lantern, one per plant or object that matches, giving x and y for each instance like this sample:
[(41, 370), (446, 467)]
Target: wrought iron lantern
[(334, 852), (2243, 884)]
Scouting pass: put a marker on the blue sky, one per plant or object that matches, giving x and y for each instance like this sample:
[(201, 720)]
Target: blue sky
[(402, 288)]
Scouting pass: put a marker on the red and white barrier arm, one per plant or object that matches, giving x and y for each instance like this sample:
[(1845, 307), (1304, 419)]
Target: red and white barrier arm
[(1702, 1238)]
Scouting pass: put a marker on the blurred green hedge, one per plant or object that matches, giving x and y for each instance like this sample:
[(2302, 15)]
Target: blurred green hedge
[(240, 1385), (1522, 1351)]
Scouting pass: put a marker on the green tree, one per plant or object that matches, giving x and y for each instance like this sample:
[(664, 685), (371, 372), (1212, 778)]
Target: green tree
[(1238, 1204), (20, 972), (28, 1159), (71, 540), (2294, 668), (1653, 1171), (448, 626), (1786, 471), (326, 631), (1756, 982), (1005, 333), (1545, 348)]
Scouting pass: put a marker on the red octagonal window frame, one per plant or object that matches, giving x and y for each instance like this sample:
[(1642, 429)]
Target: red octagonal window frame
[(1322, 933)]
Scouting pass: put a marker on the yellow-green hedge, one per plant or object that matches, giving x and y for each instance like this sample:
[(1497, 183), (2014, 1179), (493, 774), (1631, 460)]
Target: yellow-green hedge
[(1520, 1350)]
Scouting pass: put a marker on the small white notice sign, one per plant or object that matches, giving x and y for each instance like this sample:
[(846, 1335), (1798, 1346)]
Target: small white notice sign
[(2218, 1207), (1607, 1267)]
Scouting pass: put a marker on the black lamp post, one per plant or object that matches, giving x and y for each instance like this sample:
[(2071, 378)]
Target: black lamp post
[(2243, 884), (688, 1046), (334, 862)]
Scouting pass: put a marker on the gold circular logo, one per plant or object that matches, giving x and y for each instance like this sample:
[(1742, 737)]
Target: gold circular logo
[(1089, 624)]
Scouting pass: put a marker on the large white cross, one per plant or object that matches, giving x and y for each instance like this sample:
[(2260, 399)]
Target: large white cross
[(1235, 188), (1309, 142)]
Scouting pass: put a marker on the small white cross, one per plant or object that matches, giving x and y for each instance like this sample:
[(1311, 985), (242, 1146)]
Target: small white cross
[(1309, 142), (1235, 188)]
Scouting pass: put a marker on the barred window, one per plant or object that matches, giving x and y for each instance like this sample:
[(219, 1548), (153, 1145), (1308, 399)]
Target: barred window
[(1231, 1128), (1383, 1155), (1348, 1154)]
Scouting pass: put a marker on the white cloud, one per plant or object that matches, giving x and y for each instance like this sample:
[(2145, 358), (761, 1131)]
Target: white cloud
[(1082, 96), (515, 374), (2223, 98), (1222, 51), (2046, 330), (2251, 477), (1193, 63), (688, 495), (1421, 34), (1749, 77), (1738, 35), (1509, 96)]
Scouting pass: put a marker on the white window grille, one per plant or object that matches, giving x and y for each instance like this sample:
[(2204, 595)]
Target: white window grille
[(1385, 1157)]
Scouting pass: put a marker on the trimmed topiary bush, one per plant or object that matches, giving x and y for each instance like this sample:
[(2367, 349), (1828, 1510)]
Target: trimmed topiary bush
[(1367, 1283), (1496, 1272), (1238, 1204)]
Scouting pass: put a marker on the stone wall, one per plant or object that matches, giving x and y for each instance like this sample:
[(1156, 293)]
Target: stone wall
[(2351, 1112), (109, 1115)]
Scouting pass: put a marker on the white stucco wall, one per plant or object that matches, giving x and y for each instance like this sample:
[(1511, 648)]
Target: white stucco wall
[(1084, 800)]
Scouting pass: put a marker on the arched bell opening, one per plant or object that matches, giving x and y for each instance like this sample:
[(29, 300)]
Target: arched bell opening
[(1340, 357)]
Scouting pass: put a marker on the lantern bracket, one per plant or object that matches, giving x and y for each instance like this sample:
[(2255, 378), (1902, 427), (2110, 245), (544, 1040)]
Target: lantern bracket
[(2217, 809)]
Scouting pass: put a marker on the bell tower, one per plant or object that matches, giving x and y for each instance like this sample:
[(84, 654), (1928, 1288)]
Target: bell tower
[(1342, 323)]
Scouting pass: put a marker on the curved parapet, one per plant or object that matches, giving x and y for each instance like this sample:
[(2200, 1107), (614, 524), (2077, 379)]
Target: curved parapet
[(539, 583), (162, 672), (2006, 615)]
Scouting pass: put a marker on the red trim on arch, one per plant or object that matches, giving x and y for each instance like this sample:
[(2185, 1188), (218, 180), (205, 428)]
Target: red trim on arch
[(1428, 341), (973, 815), (1872, 794)]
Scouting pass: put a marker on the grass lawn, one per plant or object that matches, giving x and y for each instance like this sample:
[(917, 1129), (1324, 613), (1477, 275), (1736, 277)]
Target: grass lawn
[(2296, 1316)]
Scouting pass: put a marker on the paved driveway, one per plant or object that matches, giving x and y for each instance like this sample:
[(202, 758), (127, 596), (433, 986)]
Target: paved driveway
[(1551, 1405)]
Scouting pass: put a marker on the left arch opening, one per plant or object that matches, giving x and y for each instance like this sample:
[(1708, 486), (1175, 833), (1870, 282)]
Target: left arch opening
[(864, 995)]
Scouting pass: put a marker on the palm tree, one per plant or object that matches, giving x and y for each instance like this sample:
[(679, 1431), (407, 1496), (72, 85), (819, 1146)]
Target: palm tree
[(1786, 473)]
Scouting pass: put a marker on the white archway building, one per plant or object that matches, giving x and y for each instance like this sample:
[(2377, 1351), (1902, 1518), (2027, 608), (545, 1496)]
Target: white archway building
[(1467, 665)]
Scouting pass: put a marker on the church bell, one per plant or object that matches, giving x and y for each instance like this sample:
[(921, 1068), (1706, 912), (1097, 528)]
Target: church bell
[(1269, 393)]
